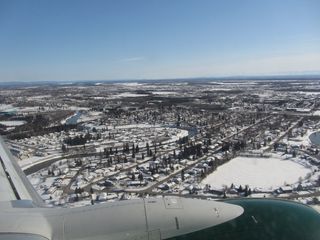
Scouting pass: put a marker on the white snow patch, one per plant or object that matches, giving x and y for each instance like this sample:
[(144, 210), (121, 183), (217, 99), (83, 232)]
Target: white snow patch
[(141, 125), (12, 123), (128, 94), (163, 93), (133, 84), (265, 173), (5, 107)]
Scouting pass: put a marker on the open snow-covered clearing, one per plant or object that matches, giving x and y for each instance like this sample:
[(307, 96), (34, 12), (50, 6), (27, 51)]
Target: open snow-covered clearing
[(128, 94), (12, 123), (164, 93), (141, 125), (264, 173)]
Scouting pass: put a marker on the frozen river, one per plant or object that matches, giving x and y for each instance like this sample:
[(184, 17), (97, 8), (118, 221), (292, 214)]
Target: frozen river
[(315, 138)]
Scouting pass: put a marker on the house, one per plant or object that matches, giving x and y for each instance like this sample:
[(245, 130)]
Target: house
[(286, 189), (305, 186)]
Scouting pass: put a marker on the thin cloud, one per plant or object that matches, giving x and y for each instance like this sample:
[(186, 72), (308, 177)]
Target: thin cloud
[(132, 59)]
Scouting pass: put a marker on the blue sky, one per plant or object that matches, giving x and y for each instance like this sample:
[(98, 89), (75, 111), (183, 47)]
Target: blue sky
[(146, 39)]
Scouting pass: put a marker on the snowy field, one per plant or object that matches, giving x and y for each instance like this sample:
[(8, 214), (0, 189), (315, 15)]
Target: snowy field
[(128, 94), (262, 173), (12, 123), (141, 125), (164, 93)]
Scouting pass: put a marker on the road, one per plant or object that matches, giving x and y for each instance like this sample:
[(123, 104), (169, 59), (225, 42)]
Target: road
[(270, 145), (156, 184)]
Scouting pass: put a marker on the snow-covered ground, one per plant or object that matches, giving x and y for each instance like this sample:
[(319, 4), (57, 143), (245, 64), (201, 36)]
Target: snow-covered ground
[(317, 207), (12, 123), (34, 160), (89, 116), (262, 173), (142, 125), (164, 93), (300, 140), (130, 84), (128, 94)]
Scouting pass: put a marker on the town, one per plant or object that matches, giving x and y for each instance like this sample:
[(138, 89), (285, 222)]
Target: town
[(93, 142)]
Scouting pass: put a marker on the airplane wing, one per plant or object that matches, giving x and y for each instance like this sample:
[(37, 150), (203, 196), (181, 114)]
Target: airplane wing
[(14, 184), (167, 218)]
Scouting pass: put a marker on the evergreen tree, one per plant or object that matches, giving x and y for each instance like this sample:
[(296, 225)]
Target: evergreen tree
[(140, 177), (64, 148), (294, 154), (182, 175)]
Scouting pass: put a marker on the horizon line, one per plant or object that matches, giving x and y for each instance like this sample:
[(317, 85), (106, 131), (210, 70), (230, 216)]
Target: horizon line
[(312, 76)]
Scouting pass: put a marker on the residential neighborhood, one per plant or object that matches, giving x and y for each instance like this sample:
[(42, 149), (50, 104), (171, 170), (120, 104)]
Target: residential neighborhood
[(85, 145)]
